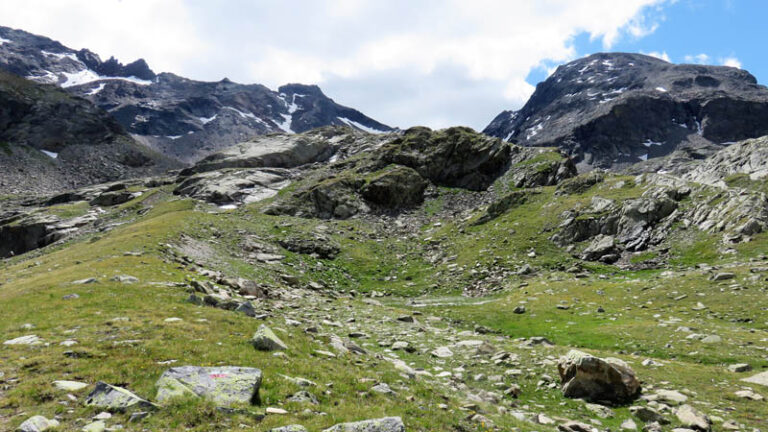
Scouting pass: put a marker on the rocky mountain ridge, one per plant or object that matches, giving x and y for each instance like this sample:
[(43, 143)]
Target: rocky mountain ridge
[(613, 110), (179, 117)]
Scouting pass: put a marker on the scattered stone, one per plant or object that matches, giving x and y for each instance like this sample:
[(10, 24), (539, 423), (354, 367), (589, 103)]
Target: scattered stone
[(628, 424), (116, 398), (172, 320), (442, 352), (519, 309), (70, 297), (277, 411), (406, 319), (671, 397), (265, 340), (596, 379), (761, 379), (740, 367), (600, 411), (692, 418), (749, 394), (388, 424), (85, 281), (723, 276), (712, 339), (97, 426), (125, 279), (648, 414), (290, 428), (303, 397), (382, 388), (224, 385), (38, 423), (24, 340), (70, 386)]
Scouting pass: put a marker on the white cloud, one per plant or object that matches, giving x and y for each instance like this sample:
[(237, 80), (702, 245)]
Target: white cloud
[(698, 58), (731, 61), (659, 55), (350, 47)]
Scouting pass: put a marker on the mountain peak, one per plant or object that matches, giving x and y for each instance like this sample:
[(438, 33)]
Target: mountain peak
[(614, 109)]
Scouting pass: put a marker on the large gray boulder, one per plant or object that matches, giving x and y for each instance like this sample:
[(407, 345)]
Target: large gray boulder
[(115, 398), (387, 424), (224, 385), (596, 379)]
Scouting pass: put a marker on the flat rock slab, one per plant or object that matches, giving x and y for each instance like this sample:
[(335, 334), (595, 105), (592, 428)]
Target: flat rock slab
[(760, 379), (24, 340), (115, 398), (224, 386), (70, 386), (387, 424), (38, 423)]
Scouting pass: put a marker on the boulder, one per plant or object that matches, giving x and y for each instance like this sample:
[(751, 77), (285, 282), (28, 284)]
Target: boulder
[(225, 385), (387, 424), (760, 379), (691, 418), (289, 428), (395, 187), (37, 423), (234, 185), (266, 340), (115, 398), (455, 157), (596, 379)]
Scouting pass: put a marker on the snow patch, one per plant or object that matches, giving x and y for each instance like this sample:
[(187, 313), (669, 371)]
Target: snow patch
[(61, 56), (357, 125), (661, 89), (228, 207), (50, 154), (643, 157), (533, 131), (2, 41), (649, 143), (509, 135), (174, 137), (205, 121), (96, 90), (285, 125)]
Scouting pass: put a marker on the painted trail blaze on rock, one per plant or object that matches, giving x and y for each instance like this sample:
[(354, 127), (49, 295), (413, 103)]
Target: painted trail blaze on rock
[(596, 379), (224, 386)]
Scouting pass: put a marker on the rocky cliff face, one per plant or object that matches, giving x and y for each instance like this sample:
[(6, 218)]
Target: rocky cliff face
[(51, 140), (614, 110), (181, 118)]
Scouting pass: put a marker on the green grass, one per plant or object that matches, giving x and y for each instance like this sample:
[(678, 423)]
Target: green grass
[(643, 311)]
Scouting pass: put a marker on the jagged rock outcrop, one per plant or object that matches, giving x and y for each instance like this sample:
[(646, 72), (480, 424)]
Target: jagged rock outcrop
[(456, 157), (747, 158), (611, 110)]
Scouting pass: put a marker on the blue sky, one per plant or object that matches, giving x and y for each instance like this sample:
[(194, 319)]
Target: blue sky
[(403, 62), (718, 29)]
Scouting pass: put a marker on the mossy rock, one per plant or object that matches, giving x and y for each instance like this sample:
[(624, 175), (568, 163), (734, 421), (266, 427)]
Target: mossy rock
[(395, 187)]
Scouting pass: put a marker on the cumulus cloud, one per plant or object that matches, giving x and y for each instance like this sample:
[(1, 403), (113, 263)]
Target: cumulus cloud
[(698, 58), (433, 62), (731, 61), (659, 55)]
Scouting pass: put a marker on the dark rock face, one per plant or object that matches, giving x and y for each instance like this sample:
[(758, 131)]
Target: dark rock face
[(614, 110), (396, 187), (179, 117), (457, 157), (53, 141)]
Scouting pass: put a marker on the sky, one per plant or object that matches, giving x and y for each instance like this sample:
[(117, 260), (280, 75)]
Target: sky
[(437, 63)]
